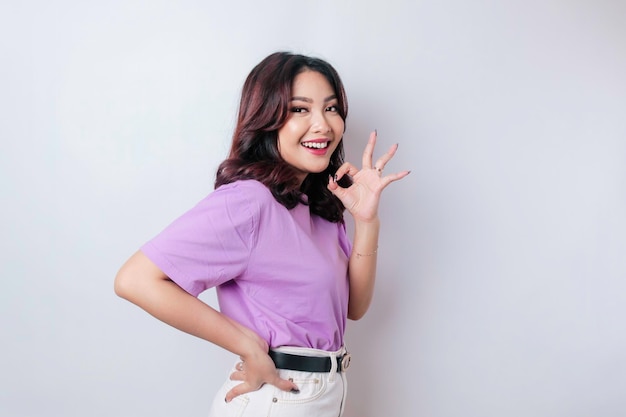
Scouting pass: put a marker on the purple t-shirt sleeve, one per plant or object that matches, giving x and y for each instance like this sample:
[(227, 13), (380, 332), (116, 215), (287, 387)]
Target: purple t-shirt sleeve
[(208, 245)]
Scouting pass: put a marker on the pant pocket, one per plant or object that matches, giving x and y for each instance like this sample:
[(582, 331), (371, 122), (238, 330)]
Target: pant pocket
[(311, 388), (321, 395)]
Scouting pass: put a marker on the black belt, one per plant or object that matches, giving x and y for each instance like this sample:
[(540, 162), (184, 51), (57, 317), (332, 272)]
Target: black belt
[(308, 363)]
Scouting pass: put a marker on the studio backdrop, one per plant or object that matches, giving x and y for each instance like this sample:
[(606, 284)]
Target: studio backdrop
[(501, 284)]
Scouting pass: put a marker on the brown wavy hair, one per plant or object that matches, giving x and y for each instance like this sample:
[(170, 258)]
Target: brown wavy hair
[(263, 110)]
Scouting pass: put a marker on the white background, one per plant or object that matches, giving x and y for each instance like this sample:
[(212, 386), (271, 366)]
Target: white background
[(501, 287)]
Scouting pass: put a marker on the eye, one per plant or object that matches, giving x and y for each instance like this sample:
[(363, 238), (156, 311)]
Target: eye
[(299, 110), (332, 108)]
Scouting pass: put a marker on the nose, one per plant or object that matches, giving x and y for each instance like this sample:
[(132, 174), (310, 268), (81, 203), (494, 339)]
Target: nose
[(319, 124)]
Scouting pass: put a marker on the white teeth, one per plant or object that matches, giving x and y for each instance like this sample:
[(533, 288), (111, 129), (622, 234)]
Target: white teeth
[(316, 145)]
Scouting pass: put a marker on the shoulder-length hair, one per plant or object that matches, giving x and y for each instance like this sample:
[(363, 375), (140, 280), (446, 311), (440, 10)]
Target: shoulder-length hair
[(263, 110)]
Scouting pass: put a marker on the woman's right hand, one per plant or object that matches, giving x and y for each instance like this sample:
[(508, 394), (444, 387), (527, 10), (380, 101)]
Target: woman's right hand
[(256, 370)]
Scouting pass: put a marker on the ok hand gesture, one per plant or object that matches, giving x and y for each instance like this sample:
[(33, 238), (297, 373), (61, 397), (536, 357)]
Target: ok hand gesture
[(361, 199)]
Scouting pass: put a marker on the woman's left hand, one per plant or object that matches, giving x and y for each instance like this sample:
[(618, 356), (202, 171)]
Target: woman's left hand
[(362, 197)]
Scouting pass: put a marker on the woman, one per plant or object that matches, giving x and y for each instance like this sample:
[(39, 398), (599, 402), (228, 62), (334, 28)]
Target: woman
[(271, 238)]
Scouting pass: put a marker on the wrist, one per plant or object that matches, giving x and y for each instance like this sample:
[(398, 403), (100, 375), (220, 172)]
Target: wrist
[(365, 243), (365, 254), (254, 347), (369, 223)]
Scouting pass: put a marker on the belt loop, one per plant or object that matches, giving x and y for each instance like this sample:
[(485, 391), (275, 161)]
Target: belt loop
[(333, 367)]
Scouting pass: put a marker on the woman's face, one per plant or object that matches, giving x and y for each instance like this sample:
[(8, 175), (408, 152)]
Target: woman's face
[(313, 128)]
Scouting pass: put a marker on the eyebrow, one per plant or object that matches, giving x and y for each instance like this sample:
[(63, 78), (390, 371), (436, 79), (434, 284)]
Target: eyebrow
[(308, 100)]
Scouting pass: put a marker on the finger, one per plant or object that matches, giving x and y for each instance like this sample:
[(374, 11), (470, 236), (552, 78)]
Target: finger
[(238, 390), (285, 385), (333, 186), (388, 179), (368, 152), (238, 376), (382, 161), (346, 168)]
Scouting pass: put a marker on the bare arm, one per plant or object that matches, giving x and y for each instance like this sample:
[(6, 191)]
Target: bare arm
[(362, 268), (361, 199), (141, 282)]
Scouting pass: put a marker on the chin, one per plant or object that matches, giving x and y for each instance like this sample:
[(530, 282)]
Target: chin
[(318, 170)]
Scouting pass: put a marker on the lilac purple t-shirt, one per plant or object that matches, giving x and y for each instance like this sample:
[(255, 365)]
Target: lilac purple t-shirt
[(280, 272)]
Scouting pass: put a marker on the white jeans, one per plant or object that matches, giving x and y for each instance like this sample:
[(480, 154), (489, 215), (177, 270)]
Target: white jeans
[(322, 394)]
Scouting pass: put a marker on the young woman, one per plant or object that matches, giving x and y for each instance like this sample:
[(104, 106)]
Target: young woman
[(272, 240)]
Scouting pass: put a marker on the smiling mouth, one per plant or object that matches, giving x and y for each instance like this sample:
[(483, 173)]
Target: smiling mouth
[(315, 145)]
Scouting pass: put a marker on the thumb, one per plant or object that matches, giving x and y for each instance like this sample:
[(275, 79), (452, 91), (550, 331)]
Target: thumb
[(336, 189)]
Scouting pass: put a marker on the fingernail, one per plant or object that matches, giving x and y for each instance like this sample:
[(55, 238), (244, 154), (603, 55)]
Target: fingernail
[(295, 391), (335, 178), (376, 132), (225, 399)]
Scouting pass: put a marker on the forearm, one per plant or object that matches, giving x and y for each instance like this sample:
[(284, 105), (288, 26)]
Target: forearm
[(140, 282), (362, 267)]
